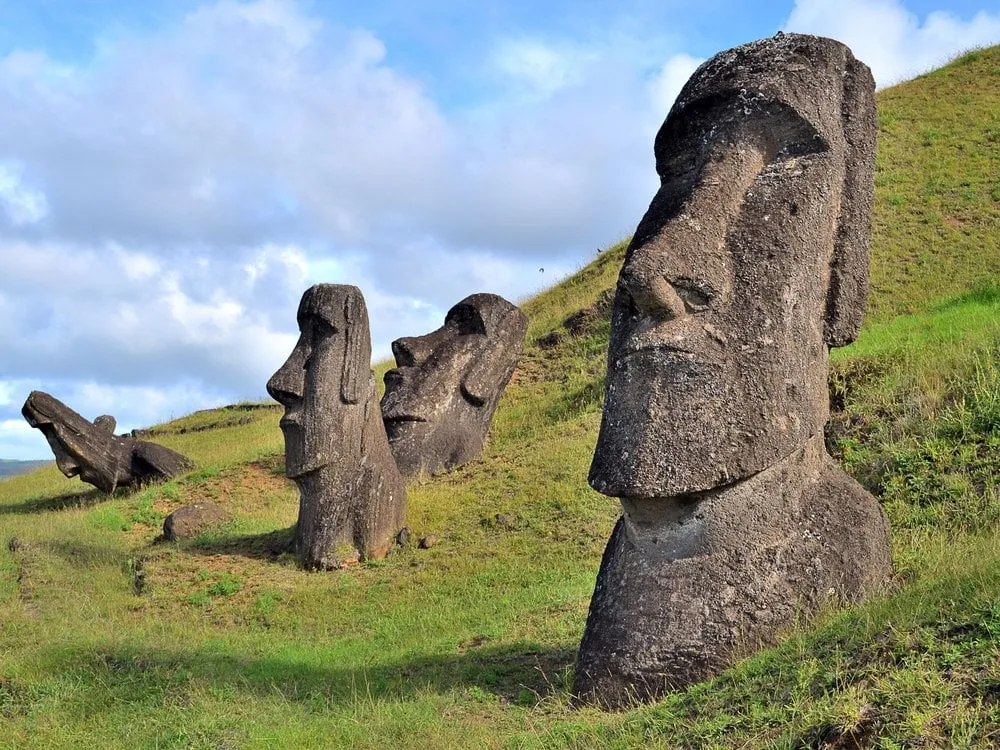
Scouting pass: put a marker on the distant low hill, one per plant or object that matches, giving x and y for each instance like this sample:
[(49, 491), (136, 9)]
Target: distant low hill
[(9, 467)]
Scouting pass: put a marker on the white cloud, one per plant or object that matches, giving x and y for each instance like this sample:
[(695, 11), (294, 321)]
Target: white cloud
[(19, 441), (540, 67), (895, 43), (23, 204), (136, 266), (668, 82)]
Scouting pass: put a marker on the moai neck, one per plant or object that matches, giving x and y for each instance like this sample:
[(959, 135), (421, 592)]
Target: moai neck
[(720, 520)]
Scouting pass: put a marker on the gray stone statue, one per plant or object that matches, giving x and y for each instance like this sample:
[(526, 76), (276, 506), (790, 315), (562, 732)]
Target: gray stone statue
[(751, 261), (440, 398), (352, 497), (92, 451)]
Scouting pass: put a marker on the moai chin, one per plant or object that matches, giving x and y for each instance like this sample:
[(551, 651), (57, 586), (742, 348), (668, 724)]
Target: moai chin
[(92, 451), (751, 261), (440, 398), (352, 497)]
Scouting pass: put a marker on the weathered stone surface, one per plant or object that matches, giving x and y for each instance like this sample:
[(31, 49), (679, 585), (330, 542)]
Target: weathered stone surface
[(92, 451), (751, 261), (440, 398), (190, 520), (352, 497), (427, 541)]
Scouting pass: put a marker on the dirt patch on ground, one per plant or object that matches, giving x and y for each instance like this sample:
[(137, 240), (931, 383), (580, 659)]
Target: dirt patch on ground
[(249, 489)]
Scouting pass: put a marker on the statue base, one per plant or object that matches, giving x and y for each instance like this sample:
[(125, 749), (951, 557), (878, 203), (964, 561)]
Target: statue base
[(690, 584)]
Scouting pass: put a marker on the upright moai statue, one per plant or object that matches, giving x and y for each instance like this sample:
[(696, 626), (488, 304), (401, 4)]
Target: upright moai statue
[(92, 451), (440, 398), (751, 261), (352, 497)]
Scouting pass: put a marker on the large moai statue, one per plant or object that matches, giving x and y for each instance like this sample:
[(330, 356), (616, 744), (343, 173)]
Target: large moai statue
[(751, 261), (440, 398), (92, 451), (352, 497)]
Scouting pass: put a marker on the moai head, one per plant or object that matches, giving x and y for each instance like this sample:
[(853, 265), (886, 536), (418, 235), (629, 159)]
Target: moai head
[(751, 261), (326, 380), (85, 449), (92, 451), (440, 398)]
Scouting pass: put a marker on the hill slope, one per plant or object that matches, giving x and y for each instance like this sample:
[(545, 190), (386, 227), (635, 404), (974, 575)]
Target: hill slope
[(111, 638)]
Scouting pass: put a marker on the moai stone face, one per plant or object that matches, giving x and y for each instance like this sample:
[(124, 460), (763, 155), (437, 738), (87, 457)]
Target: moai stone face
[(352, 496), (440, 398), (750, 262), (92, 451)]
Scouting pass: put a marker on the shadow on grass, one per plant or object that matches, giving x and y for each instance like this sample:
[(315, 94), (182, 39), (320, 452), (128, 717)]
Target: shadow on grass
[(268, 546), (522, 673), (73, 500)]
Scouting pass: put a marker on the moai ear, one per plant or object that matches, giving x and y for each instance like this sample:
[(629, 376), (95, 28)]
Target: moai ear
[(847, 294), (488, 373), (106, 423), (356, 368)]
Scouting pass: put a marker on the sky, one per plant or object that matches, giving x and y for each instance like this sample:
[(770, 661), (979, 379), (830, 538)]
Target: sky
[(174, 174)]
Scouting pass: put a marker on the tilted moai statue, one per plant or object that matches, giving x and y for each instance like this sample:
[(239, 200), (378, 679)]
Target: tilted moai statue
[(440, 398), (92, 451), (751, 261), (352, 497)]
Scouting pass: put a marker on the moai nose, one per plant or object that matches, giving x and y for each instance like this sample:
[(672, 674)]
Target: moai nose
[(410, 351), (651, 292), (286, 386)]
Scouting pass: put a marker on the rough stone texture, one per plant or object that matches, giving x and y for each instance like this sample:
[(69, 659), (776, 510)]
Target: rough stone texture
[(440, 398), (688, 585), (352, 497), (92, 451), (190, 520), (751, 261)]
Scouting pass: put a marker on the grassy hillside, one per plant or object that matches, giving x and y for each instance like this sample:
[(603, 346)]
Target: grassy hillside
[(937, 219), (112, 638)]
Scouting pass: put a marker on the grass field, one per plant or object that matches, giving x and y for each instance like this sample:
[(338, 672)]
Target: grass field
[(110, 637)]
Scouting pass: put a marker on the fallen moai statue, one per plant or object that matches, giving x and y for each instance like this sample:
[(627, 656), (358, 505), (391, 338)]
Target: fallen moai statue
[(352, 497), (751, 261), (92, 451), (440, 398)]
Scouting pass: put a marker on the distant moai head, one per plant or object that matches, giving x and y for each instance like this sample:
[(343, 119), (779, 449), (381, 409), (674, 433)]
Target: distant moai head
[(92, 451), (440, 398), (325, 378), (751, 261), (86, 449)]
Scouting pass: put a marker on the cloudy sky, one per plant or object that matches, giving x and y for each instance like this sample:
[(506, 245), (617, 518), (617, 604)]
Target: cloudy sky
[(174, 174)]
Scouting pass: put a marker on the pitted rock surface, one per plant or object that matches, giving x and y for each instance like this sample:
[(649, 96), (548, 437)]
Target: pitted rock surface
[(190, 520), (352, 497), (92, 451), (440, 398), (751, 261)]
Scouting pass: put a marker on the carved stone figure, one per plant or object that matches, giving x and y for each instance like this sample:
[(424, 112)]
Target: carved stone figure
[(92, 451), (352, 497), (440, 398), (751, 261)]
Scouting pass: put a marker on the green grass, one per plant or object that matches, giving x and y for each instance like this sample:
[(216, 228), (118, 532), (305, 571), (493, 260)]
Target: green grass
[(936, 229), (110, 637)]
